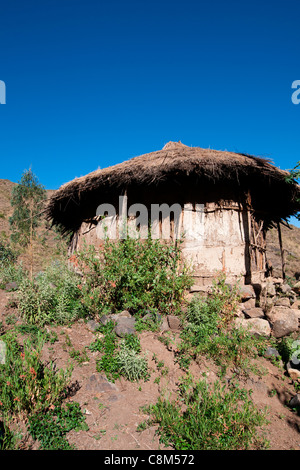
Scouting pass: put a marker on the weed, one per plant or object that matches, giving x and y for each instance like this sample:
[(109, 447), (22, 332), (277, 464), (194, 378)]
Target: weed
[(133, 275), (51, 428), (208, 417)]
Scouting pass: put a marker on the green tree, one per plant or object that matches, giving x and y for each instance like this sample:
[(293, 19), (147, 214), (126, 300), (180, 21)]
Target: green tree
[(28, 198), (294, 177)]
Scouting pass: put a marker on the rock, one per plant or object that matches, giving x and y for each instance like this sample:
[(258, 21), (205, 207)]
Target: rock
[(123, 314), (92, 325), (283, 321), (277, 280), (104, 319), (125, 326), (164, 325), (11, 286), (295, 401), (250, 303), (152, 316), (293, 372), (254, 312), (271, 352), (296, 287), (284, 288), (247, 292), (270, 289), (283, 302), (296, 305), (174, 322), (97, 383), (255, 326)]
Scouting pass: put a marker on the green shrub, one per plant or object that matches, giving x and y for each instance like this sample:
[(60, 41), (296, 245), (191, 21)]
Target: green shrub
[(52, 297), (133, 275), (208, 331), (120, 358), (206, 417), (133, 366), (7, 254), (26, 384), (11, 272), (51, 428), (34, 392)]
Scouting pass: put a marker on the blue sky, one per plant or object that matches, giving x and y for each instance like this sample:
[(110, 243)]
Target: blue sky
[(92, 83)]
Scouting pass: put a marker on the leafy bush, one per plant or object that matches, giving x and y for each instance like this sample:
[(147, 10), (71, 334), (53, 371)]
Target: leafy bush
[(208, 331), (133, 366), (11, 272), (133, 275), (34, 392), (53, 296), (7, 254), (26, 384), (50, 429), (208, 417), (120, 358)]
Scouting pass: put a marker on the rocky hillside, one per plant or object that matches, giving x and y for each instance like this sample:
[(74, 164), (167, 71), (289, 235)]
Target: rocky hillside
[(47, 244)]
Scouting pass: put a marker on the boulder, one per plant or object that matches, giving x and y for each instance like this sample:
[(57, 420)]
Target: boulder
[(296, 287), (123, 314), (92, 325), (283, 302), (296, 305), (125, 326), (164, 325), (174, 322), (247, 292), (295, 401), (271, 352), (283, 321), (254, 312), (270, 289), (250, 303), (284, 288), (255, 326), (293, 372)]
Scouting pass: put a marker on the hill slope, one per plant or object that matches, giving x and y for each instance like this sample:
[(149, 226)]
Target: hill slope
[(47, 245)]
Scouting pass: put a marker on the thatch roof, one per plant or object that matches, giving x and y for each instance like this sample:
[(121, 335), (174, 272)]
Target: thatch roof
[(176, 161)]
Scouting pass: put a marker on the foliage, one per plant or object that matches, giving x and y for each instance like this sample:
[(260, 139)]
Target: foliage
[(133, 275), (53, 296), (208, 331), (11, 272), (27, 200), (120, 358), (26, 384), (293, 176), (7, 254), (50, 429), (206, 417), (34, 391)]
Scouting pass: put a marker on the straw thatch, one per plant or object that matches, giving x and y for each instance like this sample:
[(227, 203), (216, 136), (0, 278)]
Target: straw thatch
[(178, 165)]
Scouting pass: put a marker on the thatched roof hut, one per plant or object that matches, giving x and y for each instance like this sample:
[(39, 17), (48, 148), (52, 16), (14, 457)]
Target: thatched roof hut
[(221, 180)]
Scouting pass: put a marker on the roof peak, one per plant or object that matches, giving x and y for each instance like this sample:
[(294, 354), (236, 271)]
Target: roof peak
[(174, 145)]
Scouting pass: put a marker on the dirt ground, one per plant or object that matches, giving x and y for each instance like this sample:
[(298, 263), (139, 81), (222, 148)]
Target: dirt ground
[(113, 410)]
